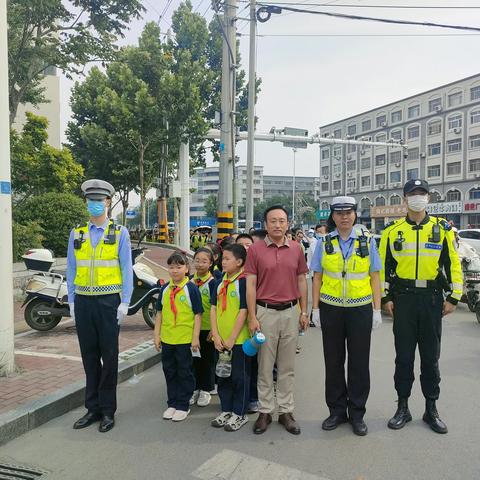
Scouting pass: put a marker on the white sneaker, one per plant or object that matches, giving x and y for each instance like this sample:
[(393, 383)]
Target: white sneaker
[(194, 398), (168, 413), (203, 399), (180, 415), (235, 422), (221, 420), (214, 391)]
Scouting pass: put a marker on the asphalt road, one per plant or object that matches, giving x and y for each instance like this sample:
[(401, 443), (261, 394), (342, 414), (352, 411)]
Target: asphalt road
[(144, 446)]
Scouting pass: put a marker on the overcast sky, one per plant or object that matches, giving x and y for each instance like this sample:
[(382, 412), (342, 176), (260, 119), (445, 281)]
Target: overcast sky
[(308, 81)]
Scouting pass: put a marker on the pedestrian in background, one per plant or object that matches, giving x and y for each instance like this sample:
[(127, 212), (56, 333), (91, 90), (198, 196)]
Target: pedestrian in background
[(100, 284), (346, 284)]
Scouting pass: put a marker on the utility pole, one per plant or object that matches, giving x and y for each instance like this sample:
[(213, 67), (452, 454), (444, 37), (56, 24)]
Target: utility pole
[(252, 80), (184, 216), (227, 137), (163, 192), (6, 260), (293, 190)]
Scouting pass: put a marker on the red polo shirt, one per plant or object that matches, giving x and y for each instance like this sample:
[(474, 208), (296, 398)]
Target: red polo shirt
[(277, 269)]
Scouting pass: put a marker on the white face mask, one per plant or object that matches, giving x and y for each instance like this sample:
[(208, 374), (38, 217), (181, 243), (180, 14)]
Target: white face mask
[(417, 203)]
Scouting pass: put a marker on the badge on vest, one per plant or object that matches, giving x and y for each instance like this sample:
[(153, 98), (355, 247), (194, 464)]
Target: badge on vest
[(183, 298), (205, 292), (433, 246), (233, 294)]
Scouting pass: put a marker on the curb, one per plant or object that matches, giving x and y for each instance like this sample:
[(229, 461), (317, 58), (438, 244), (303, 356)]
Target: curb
[(33, 414)]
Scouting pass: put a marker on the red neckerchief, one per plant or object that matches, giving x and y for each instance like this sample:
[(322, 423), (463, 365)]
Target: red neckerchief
[(199, 282), (223, 291), (173, 293)]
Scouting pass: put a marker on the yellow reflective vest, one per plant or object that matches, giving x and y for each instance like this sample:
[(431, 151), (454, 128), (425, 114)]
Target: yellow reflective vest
[(345, 283), (98, 269), (420, 253)]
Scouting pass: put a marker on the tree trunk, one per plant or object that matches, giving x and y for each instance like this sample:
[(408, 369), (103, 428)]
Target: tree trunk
[(176, 216), (141, 153)]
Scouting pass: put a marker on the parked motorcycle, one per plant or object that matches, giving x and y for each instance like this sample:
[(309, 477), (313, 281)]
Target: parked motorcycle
[(47, 299), (470, 261)]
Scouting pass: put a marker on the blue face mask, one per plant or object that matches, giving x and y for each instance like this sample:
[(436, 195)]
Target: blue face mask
[(96, 208)]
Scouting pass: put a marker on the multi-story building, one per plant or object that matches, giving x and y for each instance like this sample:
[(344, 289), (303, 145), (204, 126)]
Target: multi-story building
[(274, 185), (441, 128)]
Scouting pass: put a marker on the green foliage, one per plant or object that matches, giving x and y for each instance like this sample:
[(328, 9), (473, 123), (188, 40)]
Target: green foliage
[(210, 206), (56, 214), (25, 237), (38, 167), (259, 208), (66, 34)]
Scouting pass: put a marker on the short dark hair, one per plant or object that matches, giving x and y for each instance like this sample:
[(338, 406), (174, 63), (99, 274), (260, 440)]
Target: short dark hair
[(274, 207), (319, 226), (228, 240), (260, 233), (243, 235), (238, 251), (177, 258)]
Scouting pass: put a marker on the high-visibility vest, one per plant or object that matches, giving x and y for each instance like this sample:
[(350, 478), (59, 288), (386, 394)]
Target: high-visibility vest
[(98, 269), (345, 283)]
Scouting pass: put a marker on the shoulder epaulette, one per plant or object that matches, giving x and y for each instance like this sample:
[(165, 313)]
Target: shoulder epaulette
[(82, 225), (389, 224)]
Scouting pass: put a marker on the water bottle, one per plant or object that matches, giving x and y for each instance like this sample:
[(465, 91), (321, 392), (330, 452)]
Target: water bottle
[(251, 345), (224, 364)]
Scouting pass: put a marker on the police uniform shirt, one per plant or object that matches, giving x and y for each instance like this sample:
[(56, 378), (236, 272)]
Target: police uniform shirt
[(178, 329), (207, 289), (96, 234), (236, 300)]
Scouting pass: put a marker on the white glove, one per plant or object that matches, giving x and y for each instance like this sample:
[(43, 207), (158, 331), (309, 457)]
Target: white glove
[(122, 311), (316, 317), (377, 319), (72, 311)]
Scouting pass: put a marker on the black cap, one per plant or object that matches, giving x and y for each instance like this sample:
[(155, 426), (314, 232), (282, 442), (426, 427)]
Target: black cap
[(414, 184)]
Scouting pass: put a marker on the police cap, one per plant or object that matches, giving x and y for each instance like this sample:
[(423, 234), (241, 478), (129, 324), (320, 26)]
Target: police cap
[(97, 189), (343, 203), (412, 185)]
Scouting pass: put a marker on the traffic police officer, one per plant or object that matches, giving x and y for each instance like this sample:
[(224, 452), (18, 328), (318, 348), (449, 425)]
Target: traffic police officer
[(420, 260), (100, 284)]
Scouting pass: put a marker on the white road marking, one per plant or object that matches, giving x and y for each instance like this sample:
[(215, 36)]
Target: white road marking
[(48, 355), (231, 465)]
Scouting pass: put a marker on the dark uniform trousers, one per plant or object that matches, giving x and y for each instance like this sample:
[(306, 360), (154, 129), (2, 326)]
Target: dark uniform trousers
[(349, 327), (234, 391), (97, 330), (177, 366), (204, 366), (417, 318)]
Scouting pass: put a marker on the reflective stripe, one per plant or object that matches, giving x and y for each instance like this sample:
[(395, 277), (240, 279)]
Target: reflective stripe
[(337, 275), (414, 254), (98, 263), (95, 290), (348, 275), (457, 286), (348, 302)]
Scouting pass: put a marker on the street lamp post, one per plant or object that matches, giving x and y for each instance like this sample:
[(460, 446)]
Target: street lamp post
[(293, 189)]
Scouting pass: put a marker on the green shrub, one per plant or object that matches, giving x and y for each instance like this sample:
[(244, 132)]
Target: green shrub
[(25, 237)]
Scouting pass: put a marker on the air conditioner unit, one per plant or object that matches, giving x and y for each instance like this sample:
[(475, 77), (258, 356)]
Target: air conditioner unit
[(384, 124), (423, 155), (325, 177), (337, 175), (349, 157), (337, 158), (381, 187), (477, 175), (337, 192), (349, 174), (349, 137), (362, 152), (398, 165), (457, 130), (438, 108)]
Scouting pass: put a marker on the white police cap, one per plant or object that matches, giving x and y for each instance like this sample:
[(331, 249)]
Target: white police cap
[(343, 203), (97, 189)]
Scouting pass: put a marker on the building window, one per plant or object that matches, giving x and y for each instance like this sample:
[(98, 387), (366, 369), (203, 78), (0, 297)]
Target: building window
[(381, 137), (454, 145), (474, 193), (396, 116), (337, 152), (395, 177), (454, 168), (395, 200), (366, 125), (381, 121), (366, 181), (352, 130), (351, 165), (337, 184), (365, 204), (351, 148), (413, 132), (412, 174), (413, 153), (325, 153), (434, 149), (435, 197), (435, 105), (455, 99), (453, 196), (337, 133), (474, 165), (396, 135), (396, 157), (325, 206), (380, 179), (325, 187), (434, 128), (475, 116), (475, 93), (380, 201), (365, 163), (455, 121), (325, 170), (474, 141), (414, 111), (337, 168), (433, 171), (351, 183), (380, 160)]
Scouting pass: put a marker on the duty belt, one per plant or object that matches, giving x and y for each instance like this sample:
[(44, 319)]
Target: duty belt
[(405, 283)]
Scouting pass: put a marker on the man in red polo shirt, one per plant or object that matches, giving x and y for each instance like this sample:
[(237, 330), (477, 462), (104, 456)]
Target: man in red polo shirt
[(276, 283)]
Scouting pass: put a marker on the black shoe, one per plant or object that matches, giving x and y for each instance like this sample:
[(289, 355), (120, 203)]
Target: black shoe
[(290, 424), (359, 427), (333, 421), (402, 415), (262, 423), (87, 420), (106, 424), (432, 418)]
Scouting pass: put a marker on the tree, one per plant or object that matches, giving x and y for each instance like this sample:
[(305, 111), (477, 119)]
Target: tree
[(25, 237), (285, 201), (38, 167), (210, 206), (66, 34)]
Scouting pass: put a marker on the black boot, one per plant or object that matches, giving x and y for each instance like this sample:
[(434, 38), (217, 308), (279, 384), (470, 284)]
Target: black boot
[(402, 415), (432, 418)]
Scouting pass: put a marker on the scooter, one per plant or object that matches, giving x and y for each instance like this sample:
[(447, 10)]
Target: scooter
[(47, 300), (470, 262)]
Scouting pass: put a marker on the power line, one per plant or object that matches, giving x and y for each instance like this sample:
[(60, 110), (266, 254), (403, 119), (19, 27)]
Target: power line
[(407, 7), (363, 35)]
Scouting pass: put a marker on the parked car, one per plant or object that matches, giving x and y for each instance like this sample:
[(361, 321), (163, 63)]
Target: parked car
[(472, 237)]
